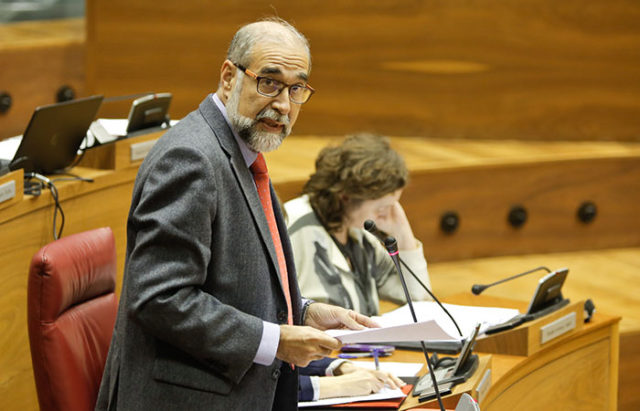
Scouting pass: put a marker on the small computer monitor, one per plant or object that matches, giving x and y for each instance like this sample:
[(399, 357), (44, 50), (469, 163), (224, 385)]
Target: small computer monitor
[(549, 291), (467, 349), (54, 134), (149, 111)]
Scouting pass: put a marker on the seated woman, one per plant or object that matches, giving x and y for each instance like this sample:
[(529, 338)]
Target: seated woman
[(330, 378), (337, 261)]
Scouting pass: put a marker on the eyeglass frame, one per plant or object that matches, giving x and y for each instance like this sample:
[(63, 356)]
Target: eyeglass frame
[(286, 86)]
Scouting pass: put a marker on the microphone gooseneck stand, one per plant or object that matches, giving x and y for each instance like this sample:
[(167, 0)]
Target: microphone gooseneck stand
[(478, 288), (392, 247), (371, 227)]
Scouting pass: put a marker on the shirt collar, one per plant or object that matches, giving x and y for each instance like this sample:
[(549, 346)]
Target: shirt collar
[(248, 154)]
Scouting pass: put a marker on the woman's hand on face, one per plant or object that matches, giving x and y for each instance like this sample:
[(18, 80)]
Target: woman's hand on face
[(396, 224)]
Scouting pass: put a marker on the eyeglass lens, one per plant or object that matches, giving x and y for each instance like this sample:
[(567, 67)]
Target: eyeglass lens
[(270, 87)]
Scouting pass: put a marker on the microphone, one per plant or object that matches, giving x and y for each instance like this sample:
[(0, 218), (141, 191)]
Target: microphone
[(391, 245), (371, 227), (478, 288)]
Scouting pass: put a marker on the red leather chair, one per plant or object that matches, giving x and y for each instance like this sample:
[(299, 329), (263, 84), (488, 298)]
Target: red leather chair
[(71, 314)]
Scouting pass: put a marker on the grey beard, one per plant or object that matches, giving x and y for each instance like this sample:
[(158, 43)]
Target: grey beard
[(258, 140)]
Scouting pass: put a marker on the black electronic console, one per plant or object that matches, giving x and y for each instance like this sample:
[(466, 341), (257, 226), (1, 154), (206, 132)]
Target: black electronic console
[(448, 376), (546, 299)]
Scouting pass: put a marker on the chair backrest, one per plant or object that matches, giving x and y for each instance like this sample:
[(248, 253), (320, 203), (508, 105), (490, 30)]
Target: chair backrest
[(72, 309)]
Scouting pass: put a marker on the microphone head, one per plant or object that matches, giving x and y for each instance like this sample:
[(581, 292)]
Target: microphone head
[(370, 226), (478, 288), (391, 244)]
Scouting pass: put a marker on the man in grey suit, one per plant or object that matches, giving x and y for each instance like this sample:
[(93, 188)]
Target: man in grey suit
[(204, 320)]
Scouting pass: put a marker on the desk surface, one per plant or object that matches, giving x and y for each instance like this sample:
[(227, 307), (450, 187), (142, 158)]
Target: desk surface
[(580, 373), (26, 225)]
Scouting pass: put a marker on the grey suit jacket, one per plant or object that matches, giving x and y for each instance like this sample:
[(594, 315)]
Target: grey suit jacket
[(201, 274)]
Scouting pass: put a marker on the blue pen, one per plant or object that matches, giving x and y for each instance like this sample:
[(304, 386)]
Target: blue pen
[(382, 349), (375, 358), (354, 355)]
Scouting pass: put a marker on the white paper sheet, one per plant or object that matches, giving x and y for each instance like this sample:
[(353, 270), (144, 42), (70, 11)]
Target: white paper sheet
[(399, 369), (114, 126), (466, 316), (421, 331), (384, 394), (9, 146)]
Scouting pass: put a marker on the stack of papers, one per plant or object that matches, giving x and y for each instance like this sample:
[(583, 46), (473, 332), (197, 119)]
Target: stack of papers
[(425, 330), (433, 324), (398, 326), (8, 147), (384, 394), (466, 316), (106, 130)]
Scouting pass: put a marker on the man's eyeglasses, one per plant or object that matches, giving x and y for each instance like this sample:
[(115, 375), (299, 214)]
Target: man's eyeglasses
[(268, 87)]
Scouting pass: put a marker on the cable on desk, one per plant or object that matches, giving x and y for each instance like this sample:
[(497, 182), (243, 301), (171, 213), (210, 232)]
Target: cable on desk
[(36, 189)]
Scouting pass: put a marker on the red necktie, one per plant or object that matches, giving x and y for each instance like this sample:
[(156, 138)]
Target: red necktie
[(261, 177)]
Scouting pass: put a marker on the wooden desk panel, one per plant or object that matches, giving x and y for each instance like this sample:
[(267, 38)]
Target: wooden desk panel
[(576, 373), (579, 374)]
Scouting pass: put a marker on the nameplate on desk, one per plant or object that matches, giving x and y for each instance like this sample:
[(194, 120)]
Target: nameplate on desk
[(140, 150), (483, 385), (558, 327), (7, 191)]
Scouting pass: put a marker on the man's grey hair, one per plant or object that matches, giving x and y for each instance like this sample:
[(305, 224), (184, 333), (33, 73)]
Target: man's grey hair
[(247, 36)]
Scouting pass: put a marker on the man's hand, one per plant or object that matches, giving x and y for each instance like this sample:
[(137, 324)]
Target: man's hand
[(325, 316), (299, 345), (354, 380)]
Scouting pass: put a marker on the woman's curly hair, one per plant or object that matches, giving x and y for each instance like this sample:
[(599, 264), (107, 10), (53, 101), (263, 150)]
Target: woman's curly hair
[(362, 167)]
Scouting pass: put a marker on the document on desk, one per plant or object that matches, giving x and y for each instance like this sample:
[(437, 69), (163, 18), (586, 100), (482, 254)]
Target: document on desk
[(399, 369), (466, 316), (420, 331), (9, 146), (106, 130), (384, 394)]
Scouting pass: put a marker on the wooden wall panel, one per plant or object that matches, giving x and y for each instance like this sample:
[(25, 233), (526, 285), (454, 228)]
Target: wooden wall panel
[(525, 69), (36, 59), (550, 192)]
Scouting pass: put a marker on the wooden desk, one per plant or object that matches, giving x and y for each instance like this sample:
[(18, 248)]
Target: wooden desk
[(26, 225), (580, 372)]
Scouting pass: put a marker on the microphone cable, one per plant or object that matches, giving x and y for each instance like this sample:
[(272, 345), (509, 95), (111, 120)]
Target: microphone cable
[(45, 182)]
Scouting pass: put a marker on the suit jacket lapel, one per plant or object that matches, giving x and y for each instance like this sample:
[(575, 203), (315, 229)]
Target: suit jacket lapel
[(221, 129)]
